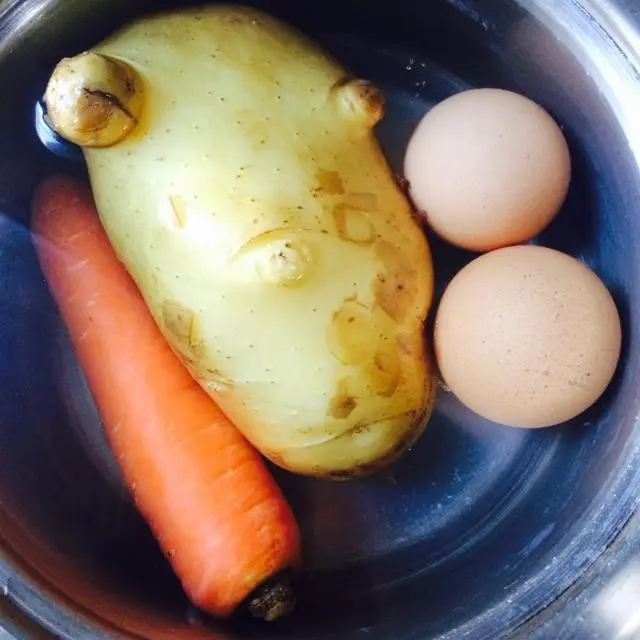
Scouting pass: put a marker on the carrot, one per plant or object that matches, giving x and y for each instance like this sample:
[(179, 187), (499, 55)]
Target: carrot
[(206, 494)]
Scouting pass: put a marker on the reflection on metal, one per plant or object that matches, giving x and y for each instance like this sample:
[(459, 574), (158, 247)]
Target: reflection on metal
[(50, 139), (617, 608)]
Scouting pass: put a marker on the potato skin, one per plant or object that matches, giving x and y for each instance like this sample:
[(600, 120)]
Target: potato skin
[(254, 209)]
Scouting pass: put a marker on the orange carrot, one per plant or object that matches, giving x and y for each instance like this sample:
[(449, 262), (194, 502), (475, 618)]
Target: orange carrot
[(214, 508)]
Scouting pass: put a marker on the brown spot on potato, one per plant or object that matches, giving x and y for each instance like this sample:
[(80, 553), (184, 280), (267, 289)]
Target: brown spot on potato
[(178, 319), (385, 373), (361, 201), (353, 225), (195, 340), (179, 210), (395, 288), (330, 182), (342, 406), (351, 335), (407, 345), (182, 325)]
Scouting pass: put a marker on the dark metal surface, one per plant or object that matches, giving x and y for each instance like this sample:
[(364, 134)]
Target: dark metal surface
[(485, 531)]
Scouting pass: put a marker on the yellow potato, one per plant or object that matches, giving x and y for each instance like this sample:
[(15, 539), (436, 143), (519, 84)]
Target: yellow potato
[(236, 173)]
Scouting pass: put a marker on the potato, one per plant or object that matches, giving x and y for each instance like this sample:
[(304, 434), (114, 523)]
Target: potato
[(236, 172)]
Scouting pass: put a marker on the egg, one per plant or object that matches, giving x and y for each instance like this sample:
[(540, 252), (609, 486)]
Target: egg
[(527, 336), (488, 168)]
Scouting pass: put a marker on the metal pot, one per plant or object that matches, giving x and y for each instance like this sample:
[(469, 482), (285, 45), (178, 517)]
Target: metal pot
[(487, 532)]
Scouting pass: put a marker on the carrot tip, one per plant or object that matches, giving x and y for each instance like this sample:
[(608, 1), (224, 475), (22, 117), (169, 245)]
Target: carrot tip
[(274, 599)]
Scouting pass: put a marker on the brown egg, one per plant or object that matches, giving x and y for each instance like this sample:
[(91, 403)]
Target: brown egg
[(488, 168), (527, 336)]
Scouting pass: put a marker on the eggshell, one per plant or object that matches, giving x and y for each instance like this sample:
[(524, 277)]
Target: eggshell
[(527, 336), (488, 168)]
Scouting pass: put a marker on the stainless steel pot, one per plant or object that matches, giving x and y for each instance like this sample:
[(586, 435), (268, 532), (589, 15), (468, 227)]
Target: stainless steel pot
[(487, 532)]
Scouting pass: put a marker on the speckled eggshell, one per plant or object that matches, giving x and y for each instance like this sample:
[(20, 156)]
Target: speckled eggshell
[(527, 336), (488, 168)]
